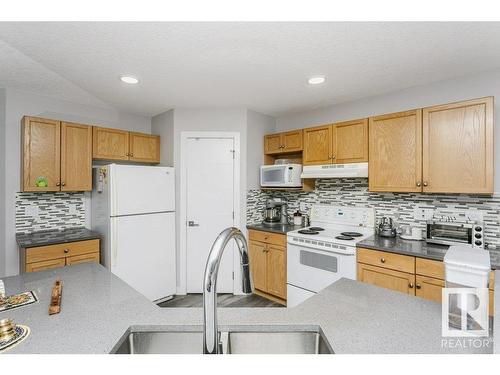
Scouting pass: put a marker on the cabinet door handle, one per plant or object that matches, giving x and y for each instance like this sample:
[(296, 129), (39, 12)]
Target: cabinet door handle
[(333, 156), (132, 155), (410, 285), (425, 183), (418, 286), (58, 184), (382, 260), (66, 251), (419, 184)]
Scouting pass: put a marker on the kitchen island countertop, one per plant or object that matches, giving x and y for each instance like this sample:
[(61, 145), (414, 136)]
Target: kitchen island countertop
[(98, 308)]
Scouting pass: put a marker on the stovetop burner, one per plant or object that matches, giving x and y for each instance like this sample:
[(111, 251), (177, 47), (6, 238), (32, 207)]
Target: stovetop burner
[(351, 234), (308, 231), (316, 229), (344, 237)]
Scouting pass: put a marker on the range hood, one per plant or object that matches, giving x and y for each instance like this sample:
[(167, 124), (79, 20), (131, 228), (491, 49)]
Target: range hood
[(351, 170)]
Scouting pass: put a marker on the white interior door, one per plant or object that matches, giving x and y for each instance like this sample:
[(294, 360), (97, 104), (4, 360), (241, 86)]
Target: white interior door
[(210, 207), (143, 253)]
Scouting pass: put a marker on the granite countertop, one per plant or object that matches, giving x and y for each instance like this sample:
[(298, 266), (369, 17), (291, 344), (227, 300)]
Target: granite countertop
[(98, 308), (282, 229), (52, 237), (420, 249)]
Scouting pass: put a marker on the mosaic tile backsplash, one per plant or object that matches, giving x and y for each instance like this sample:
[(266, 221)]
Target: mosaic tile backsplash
[(53, 211), (400, 206)]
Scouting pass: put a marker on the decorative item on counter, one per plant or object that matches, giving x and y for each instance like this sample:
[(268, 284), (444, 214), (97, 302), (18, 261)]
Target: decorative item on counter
[(17, 300), (297, 218), (11, 334), (56, 297), (41, 182), (411, 233), (386, 227)]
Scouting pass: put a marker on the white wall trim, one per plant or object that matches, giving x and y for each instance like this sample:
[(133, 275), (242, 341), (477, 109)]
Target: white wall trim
[(182, 287)]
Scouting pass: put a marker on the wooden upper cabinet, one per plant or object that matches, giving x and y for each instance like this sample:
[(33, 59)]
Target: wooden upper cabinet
[(318, 145), (350, 142), (458, 147), (76, 157), (395, 152), (272, 144), (41, 154), (292, 141), (283, 142), (144, 148), (110, 144)]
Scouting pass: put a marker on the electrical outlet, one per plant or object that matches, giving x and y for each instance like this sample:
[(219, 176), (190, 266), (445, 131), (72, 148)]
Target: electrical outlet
[(72, 209), (32, 211), (423, 213)]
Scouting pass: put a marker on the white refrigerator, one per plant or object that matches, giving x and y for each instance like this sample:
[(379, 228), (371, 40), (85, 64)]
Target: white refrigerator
[(133, 208)]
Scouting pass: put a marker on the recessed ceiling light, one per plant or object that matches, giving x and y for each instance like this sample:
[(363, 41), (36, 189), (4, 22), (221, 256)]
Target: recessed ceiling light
[(129, 79), (317, 80)]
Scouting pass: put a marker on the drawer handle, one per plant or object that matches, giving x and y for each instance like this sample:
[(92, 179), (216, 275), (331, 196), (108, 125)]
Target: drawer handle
[(425, 183), (66, 251), (410, 285), (382, 260), (418, 286), (266, 237)]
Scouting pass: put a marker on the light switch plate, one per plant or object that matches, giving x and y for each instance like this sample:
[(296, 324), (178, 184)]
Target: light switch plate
[(32, 211)]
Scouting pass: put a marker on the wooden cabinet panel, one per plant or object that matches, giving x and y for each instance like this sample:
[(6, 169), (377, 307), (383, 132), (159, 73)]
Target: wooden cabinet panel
[(317, 145), (110, 144), (258, 264), (92, 257), (429, 288), (267, 237), (395, 152), (458, 147), (292, 141), (276, 271), (272, 144), (386, 278), (45, 265), (351, 142), (76, 157), (41, 154), (384, 259), (144, 148), (42, 253), (492, 303), (431, 268)]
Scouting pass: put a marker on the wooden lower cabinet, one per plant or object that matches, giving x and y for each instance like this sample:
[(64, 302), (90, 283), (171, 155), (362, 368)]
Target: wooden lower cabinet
[(43, 258), (45, 265), (426, 281), (267, 253), (386, 278), (428, 288), (276, 278)]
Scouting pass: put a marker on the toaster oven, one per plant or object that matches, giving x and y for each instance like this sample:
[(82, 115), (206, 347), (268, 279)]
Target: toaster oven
[(456, 233)]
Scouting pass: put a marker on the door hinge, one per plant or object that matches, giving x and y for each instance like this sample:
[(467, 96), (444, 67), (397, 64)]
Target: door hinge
[(232, 151), (233, 215), (233, 275)]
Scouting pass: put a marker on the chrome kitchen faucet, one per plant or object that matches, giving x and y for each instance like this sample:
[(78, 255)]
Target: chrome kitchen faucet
[(210, 331)]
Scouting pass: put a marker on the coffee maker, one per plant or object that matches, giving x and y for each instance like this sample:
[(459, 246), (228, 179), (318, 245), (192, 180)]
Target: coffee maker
[(275, 212)]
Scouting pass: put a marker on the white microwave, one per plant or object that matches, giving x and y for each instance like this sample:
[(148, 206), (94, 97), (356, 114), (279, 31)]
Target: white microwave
[(281, 175)]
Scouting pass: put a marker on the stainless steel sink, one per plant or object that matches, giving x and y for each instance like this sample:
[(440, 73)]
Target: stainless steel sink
[(232, 342)]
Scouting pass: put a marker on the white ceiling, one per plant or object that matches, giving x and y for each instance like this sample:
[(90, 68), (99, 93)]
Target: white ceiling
[(262, 66)]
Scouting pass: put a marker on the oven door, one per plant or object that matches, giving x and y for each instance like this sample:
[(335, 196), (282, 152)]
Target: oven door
[(314, 269), (273, 175)]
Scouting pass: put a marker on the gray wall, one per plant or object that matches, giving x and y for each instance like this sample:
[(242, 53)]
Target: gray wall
[(163, 125), (485, 84), (258, 125), (19, 104), (2, 180)]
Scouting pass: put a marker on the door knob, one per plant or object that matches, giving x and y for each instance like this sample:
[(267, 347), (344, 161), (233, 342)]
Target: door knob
[(191, 223)]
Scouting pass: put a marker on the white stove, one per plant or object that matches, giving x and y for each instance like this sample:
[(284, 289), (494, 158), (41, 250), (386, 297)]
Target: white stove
[(321, 254)]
